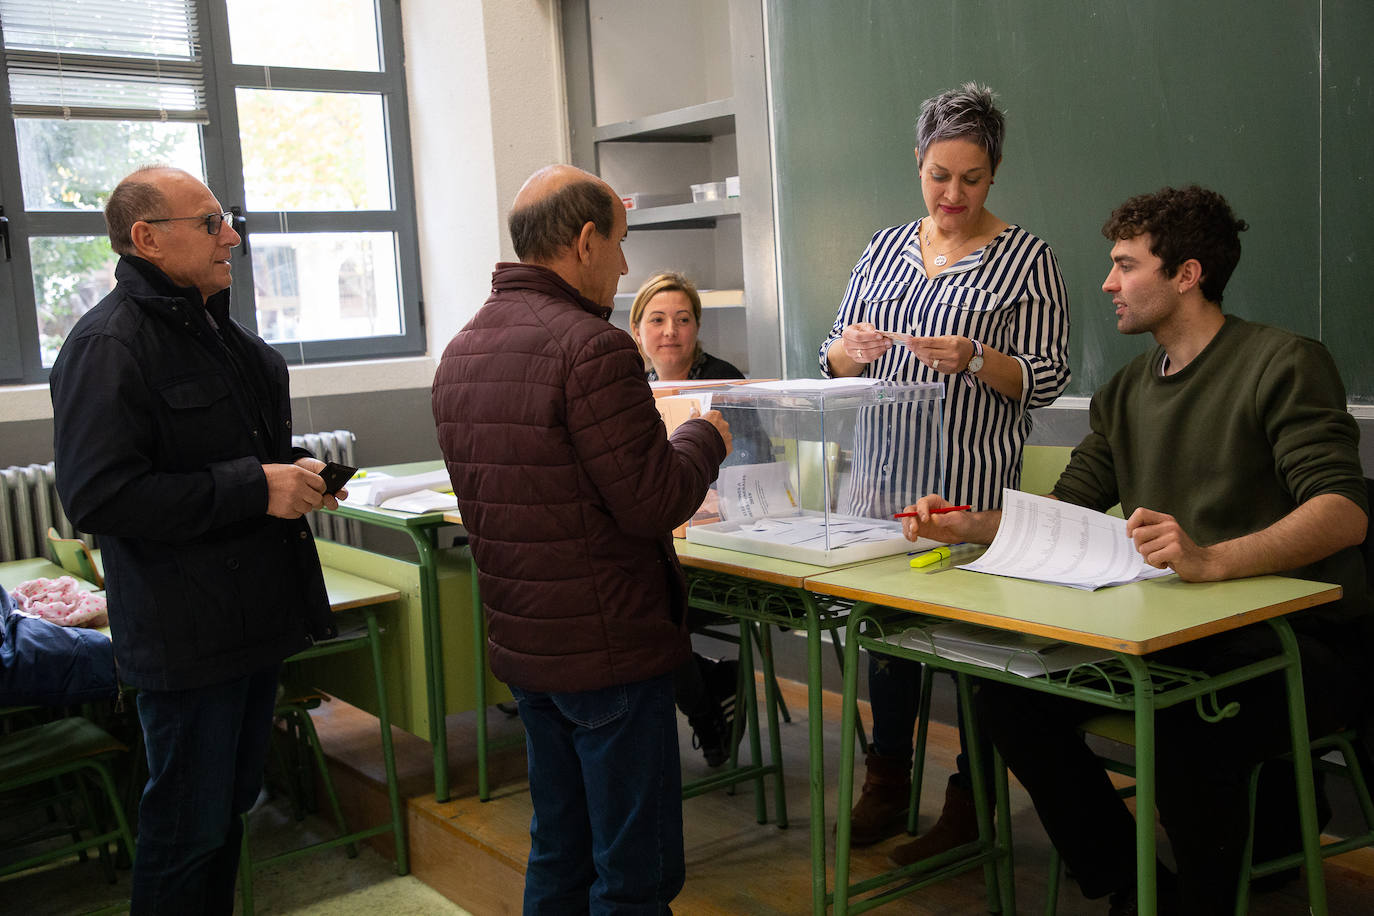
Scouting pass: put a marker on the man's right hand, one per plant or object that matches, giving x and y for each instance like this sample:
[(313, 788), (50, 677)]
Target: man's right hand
[(950, 527), (715, 419), (292, 490)]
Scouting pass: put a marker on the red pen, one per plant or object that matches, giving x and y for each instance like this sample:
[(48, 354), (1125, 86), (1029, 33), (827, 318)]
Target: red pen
[(940, 511)]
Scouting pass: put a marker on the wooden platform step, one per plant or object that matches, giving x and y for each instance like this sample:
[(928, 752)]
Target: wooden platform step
[(474, 853)]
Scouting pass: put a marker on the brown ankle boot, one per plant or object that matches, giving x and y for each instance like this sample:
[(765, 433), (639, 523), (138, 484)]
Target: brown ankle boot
[(958, 824), (882, 807)]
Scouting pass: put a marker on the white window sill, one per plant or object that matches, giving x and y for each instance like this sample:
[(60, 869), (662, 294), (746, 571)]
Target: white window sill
[(32, 402)]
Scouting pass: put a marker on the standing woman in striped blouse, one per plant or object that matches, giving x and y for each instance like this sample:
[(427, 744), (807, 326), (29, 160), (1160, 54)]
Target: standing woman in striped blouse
[(988, 316)]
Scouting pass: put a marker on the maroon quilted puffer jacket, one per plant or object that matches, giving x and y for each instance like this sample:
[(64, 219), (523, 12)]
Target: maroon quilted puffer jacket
[(569, 487)]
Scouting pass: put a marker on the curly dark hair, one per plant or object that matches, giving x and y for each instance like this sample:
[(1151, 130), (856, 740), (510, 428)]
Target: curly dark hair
[(1189, 223)]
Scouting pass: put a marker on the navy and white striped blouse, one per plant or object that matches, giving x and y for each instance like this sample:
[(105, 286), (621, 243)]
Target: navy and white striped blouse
[(1010, 296)]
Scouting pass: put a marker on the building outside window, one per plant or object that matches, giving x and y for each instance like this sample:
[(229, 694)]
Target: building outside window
[(293, 113)]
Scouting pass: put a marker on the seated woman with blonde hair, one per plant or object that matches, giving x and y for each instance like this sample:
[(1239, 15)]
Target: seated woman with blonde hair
[(665, 321)]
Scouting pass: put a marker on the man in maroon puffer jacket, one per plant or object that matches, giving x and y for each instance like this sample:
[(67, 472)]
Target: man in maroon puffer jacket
[(569, 487)]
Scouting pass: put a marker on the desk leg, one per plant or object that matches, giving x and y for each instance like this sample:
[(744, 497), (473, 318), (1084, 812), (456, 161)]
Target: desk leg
[(388, 750), (479, 665), (849, 714), (434, 659), (1302, 769), (1144, 784), (771, 701), (1000, 895), (816, 727)]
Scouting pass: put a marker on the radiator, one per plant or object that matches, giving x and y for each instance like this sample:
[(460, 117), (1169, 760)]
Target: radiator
[(28, 507), (332, 446), (29, 504)]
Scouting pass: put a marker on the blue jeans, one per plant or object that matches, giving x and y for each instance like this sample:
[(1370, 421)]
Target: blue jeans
[(606, 835), (206, 751)]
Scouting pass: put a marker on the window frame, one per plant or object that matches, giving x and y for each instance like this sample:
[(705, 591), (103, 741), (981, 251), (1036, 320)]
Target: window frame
[(20, 352)]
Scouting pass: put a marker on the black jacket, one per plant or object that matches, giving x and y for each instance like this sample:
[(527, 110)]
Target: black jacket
[(162, 427)]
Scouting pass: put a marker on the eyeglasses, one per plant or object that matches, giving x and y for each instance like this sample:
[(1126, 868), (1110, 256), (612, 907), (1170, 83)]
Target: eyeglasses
[(213, 221)]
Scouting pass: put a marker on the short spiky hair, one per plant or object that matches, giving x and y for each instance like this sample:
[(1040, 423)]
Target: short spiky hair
[(539, 231), (966, 113), (1189, 223)]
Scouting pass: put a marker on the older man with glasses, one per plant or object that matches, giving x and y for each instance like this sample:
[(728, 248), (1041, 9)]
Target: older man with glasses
[(173, 443)]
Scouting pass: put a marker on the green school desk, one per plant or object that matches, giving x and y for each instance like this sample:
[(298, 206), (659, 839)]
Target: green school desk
[(422, 529), (775, 592), (482, 679), (348, 592), (1129, 620)]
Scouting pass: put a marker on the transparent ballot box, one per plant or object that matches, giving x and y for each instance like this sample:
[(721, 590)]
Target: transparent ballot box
[(821, 466)]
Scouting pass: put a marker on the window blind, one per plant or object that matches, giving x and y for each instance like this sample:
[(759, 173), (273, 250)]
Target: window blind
[(125, 60)]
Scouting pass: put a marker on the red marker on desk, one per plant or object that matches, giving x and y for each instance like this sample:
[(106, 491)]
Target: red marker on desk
[(941, 511)]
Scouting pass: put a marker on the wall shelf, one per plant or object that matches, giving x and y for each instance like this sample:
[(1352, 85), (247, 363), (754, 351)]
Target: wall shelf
[(693, 124), (654, 116), (684, 216), (710, 299)]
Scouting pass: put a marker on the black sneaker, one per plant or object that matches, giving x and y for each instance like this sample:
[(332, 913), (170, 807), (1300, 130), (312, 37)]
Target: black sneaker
[(713, 728), (1167, 898)]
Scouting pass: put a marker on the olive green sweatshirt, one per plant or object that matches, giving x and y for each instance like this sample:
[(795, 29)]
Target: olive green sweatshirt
[(1254, 426)]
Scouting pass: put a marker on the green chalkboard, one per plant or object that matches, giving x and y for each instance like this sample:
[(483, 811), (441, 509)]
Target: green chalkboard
[(1270, 102)]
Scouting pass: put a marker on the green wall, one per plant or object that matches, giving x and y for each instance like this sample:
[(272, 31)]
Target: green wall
[(1269, 102)]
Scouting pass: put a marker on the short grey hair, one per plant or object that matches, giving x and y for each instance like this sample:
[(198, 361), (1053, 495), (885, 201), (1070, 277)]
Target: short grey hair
[(542, 229), (966, 113), (136, 197)]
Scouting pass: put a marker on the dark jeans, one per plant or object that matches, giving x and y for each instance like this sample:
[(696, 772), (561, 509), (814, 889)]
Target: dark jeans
[(894, 694), (206, 751), (1201, 768), (605, 779)]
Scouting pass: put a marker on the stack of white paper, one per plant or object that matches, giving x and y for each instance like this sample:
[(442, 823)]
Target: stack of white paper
[(1004, 650), (1046, 540), (427, 492)]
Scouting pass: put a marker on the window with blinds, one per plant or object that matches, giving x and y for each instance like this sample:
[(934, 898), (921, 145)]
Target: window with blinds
[(293, 113), (106, 59)]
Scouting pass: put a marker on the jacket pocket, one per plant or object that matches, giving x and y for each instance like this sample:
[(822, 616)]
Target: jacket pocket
[(237, 593), (195, 393), (201, 425)]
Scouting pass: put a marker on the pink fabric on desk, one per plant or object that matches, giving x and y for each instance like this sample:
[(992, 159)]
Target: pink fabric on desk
[(61, 601)]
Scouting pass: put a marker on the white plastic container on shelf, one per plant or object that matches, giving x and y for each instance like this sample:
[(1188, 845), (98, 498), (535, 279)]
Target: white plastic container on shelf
[(732, 186), (711, 190), (820, 484)]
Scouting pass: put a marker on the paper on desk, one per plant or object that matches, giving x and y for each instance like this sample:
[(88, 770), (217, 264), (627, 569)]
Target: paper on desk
[(379, 492), (422, 501), (1047, 540), (1004, 650)]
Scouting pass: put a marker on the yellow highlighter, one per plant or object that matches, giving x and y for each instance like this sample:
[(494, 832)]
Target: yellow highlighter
[(930, 557)]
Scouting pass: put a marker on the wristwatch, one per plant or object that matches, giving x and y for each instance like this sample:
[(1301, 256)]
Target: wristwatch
[(975, 362)]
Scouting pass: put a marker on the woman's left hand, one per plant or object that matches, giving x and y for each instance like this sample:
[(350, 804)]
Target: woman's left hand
[(943, 354)]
